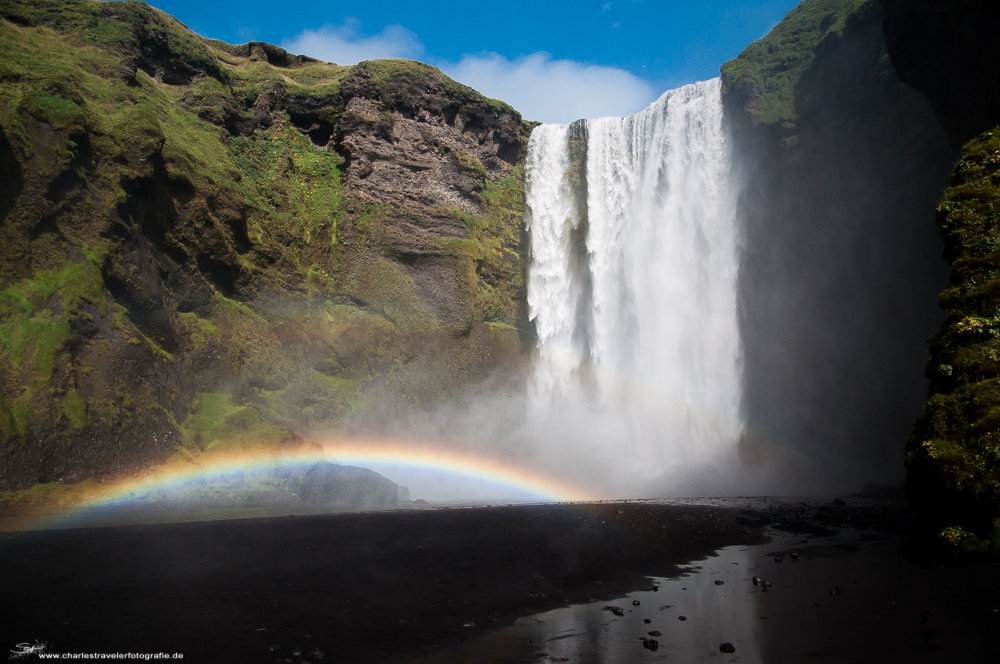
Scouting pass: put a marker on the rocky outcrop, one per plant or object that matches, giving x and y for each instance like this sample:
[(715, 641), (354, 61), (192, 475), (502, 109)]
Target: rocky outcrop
[(348, 487), (206, 246)]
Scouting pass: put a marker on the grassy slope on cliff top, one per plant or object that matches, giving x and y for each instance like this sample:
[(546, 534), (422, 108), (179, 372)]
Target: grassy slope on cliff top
[(766, 73)]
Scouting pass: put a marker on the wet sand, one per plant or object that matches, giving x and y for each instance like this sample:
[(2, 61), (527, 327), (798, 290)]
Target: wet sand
[(476, 584)]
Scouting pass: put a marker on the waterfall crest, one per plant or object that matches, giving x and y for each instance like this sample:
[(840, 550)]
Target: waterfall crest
[(632, 289)]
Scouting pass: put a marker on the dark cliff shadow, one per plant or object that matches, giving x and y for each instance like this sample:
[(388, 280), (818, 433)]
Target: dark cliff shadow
[(841, 268), (11, 177)]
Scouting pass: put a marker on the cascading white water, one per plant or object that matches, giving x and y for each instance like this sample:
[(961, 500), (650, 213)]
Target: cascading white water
[(632, 288)]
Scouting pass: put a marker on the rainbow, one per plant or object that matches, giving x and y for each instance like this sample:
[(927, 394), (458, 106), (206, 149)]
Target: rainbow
[(176, 476), (460, 463)]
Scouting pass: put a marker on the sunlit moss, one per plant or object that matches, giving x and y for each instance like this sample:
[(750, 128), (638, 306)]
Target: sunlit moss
[(53, 494)]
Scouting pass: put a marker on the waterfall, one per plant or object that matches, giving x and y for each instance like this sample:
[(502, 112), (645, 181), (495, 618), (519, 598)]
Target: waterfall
[(632, 289)]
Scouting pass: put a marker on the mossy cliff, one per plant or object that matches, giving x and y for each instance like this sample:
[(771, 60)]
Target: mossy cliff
[(205, 245), (949, 51), (841, 166)]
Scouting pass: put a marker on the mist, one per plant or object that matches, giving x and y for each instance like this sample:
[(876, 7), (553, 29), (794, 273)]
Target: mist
[(812, 347)]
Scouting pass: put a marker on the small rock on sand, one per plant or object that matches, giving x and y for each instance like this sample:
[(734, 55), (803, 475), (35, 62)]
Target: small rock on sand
[(727, 648)]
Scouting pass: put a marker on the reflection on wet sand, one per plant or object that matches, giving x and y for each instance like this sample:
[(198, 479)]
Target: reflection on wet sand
[(848, 596), (689, 618)]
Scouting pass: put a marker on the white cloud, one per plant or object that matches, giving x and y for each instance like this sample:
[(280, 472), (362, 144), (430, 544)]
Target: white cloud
[(345, 45), (539, 87), (548, 90)]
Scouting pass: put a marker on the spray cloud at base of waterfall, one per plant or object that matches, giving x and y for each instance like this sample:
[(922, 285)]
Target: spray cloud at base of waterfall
[(632, 288)]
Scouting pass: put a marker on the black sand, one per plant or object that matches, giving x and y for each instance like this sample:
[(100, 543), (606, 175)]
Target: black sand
[(395, 586)]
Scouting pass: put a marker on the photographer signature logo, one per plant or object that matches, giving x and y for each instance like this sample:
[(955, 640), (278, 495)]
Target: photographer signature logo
[(24, 649)]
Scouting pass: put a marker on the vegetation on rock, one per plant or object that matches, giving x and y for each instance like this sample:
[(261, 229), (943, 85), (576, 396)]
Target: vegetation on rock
[(953, 455), (203, 244), (765, 75)]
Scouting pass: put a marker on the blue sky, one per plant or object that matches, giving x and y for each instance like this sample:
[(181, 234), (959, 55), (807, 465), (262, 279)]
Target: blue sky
[(553, 60)]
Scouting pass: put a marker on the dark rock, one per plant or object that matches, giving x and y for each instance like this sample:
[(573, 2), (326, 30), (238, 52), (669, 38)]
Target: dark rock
[(655, 632), (647, 620), (682, 618), (127, 70), (347, 486), (778, 559), (635, 602), (794, 556), (298, 651), (719, 582), (946, 50), (649, 644), (756, 580), (617, 610), (727, 648)]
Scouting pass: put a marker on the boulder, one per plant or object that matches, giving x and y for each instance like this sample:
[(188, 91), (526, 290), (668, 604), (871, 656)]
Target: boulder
[(326, 483)]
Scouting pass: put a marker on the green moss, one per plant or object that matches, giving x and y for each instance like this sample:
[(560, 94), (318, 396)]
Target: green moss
[(31, 334), (22, 413), (217, 423), (77, 409), (53, 494), (293, 190), (58, 111), (199, 329)]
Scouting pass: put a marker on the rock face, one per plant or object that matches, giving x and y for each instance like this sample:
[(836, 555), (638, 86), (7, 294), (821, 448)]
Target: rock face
[(347, 486), (206, 246), (948, 51), (842, 165), (847, 159)]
